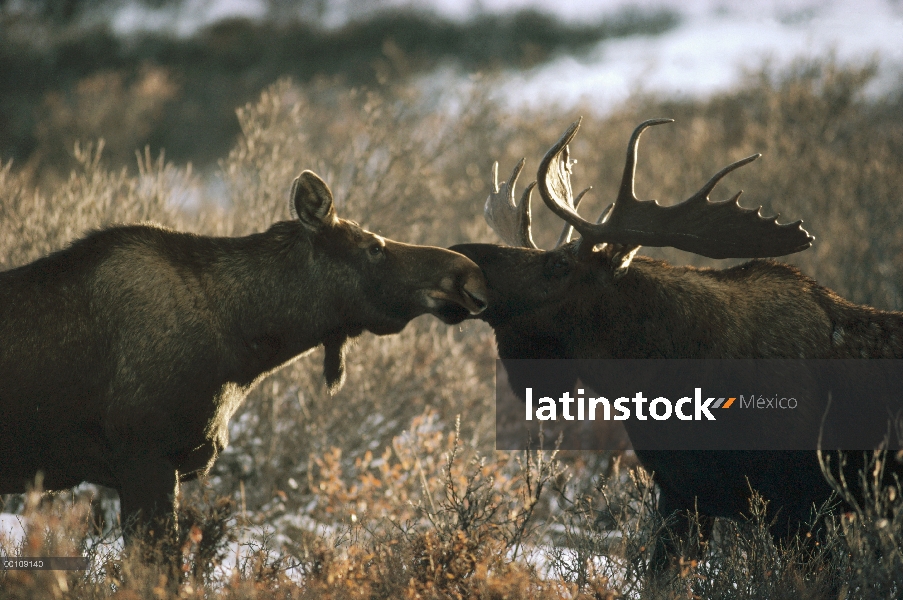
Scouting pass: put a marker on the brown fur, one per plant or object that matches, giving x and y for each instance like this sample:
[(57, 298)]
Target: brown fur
[(550, 304), (124, 356)]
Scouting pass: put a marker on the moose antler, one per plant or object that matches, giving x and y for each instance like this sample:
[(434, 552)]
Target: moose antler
[(713, 229), (510, 220)]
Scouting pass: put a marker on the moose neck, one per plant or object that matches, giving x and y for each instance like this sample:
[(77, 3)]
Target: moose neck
[(271, 292)]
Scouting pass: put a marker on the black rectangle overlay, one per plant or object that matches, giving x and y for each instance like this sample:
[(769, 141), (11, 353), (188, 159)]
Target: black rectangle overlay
[(670, 404), (43, 563)]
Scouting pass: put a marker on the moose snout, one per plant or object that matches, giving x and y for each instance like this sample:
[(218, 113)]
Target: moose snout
[(466, 290), (474, 290), (460, 293)]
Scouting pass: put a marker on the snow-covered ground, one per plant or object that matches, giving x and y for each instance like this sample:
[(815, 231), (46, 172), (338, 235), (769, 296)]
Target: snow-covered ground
[(11, 530), (707, 52)]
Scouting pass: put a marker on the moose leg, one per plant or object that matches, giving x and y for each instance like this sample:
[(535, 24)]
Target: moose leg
[(148, 492), (148, 486)]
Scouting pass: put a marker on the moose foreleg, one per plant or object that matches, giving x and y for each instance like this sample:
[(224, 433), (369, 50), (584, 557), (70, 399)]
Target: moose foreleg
[(148, 489)]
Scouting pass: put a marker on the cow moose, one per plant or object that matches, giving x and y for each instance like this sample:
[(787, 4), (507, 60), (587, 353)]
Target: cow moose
[(594, 298), (124, 356)]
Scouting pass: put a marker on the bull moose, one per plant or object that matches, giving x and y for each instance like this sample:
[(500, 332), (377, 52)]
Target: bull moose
[(595, 298), (124, 356)]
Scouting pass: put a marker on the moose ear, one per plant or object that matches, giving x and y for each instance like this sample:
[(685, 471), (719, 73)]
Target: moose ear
[(311, 203), (618, 257)]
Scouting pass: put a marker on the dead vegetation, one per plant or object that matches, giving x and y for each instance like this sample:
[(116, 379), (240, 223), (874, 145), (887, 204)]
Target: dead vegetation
[(374, 493)]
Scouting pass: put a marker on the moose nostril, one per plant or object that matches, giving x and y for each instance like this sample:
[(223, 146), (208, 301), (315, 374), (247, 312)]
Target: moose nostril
[(479, 299)]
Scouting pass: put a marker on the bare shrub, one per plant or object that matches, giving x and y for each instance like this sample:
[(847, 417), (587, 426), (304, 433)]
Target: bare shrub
[(106, 105), (371, 492), (38, 222), (54, 526)]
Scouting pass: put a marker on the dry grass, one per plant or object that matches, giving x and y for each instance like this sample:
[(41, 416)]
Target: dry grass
[(399, 505)]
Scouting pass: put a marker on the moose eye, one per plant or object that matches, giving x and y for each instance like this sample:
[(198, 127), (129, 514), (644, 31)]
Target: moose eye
[(375, 250), (559, 266)]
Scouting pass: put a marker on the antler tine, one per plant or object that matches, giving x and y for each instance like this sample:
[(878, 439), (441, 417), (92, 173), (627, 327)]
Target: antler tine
[(509, 219), (713, 229), (626, 192), (554, 182), (704, 191), (568, 230), (604, 214)]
